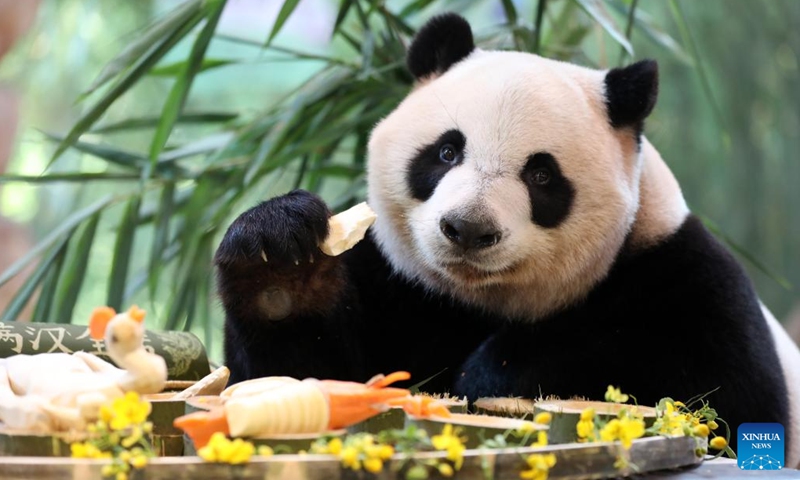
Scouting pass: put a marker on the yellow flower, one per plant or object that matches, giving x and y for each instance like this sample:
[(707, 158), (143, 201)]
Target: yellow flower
[(623, 429), (445, 470), (585, 430), (335, 446), (373, 465), (539, 466), (526, 427), (587, 414), (87, 450), (122, 476), (541, 440), (265, 451), (615, 395), (543, 418), (713, 425), (452, 443), (221, 449), (133, 438), (702, 430), (349, 458), (679, 404), (138, 461), (126, 411), (718, 443)]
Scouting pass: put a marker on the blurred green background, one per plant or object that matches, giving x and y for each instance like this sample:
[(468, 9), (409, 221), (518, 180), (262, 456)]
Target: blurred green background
[(261, 119)]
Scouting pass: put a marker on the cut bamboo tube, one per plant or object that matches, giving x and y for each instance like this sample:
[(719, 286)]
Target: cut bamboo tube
[(476, 428), (566, 413)]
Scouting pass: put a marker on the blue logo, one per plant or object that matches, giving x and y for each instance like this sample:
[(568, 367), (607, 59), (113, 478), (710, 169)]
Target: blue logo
[(760, 446)]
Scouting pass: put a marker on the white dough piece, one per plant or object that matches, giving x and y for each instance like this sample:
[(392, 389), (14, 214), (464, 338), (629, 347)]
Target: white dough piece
[(347, 228), (298, 407)]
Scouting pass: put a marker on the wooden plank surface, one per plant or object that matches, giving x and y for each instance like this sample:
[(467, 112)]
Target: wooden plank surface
[(577, 461)]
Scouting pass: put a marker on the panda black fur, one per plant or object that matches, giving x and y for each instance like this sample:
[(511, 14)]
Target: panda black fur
[(529, 241)]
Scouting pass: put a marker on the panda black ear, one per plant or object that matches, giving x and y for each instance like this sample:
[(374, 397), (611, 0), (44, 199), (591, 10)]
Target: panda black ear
[(631, 94), (443, 41)]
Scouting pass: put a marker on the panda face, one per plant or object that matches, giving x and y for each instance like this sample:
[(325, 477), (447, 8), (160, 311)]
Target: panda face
[(503, 182)]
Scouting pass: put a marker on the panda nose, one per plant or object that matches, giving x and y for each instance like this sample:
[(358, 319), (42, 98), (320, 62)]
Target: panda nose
[(468, 234)]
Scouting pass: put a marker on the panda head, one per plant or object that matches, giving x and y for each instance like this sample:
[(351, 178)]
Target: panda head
[(505, 179)]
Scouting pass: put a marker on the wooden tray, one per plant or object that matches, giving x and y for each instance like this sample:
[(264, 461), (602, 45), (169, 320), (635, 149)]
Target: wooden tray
[(574, 461)]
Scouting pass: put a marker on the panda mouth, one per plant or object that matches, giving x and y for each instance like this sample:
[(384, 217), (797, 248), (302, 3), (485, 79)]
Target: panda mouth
[(472, 273)]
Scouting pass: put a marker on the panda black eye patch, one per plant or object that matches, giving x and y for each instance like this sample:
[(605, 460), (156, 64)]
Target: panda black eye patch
[(433, 161), (551, 193)]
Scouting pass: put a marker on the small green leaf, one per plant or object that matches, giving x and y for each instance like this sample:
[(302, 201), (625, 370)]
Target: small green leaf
[(177, 68), (286, 10), (69, 285), (64, 229), (122, 254)]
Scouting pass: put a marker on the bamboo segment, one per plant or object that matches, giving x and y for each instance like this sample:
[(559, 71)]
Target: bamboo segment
[(476, 428), (167, 440), (513, 407), (566, 413), (15, 443), (212, 384)]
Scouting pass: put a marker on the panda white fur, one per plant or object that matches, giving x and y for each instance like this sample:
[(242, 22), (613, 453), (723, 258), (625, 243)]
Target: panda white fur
[(529, 241)]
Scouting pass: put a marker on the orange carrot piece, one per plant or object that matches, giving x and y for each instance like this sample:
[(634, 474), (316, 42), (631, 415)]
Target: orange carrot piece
[(201, 425), (98, 321), (381, 381)]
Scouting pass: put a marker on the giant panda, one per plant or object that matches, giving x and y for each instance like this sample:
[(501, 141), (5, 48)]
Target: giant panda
[(529, 241)]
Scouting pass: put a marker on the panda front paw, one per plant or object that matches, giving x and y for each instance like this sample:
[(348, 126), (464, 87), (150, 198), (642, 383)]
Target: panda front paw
[(281, 232)]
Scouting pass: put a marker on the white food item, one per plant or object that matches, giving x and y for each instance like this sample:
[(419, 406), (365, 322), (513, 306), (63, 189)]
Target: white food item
[(347, 228), (256, 386), (298, 407)]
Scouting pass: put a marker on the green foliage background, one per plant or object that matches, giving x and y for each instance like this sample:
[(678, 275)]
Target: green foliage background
[(151, 125)]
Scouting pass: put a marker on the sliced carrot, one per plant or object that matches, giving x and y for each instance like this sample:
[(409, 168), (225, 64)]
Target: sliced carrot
[(201, 425), (381, 381), (98, 321)]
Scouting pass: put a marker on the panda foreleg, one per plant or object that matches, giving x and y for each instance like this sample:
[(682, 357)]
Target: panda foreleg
[(289, 308)]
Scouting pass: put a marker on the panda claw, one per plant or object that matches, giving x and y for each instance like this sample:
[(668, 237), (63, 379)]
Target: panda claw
[(264, 255), (311, 259), (296, 262)]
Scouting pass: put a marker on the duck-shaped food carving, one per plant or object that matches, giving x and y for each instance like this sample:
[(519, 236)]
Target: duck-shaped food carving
[(59, 391)]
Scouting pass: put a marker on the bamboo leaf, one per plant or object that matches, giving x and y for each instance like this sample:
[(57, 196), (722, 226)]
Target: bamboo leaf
[(150, 122), (47, 294), (344, 7), (68, 177), (742, 251), (538, 22), (686, 34), (510, 11), (419, 5), (180, 90), (54, 236), (122, 254), (69, 285), (133, 75), (25, 292), (177, 68), (161, 235), (150, 37), (286, 10), (597, 11)]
